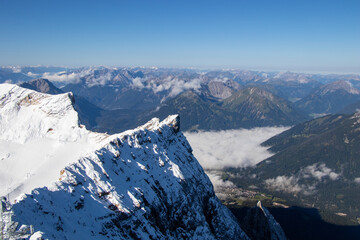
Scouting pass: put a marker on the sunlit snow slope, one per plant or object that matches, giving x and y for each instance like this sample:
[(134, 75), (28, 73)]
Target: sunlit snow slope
[(140, 184), (40, 135)]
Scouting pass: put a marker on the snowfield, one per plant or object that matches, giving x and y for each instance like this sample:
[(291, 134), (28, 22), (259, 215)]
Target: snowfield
[(40, 135)]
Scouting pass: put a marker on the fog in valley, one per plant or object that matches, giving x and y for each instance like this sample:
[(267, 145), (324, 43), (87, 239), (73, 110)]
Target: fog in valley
[(230, 148)]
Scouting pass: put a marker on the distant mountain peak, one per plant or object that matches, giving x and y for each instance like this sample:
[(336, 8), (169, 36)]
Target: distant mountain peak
[(330, 98), (339, 85), (41, 85), (261, 92), (256, 104)]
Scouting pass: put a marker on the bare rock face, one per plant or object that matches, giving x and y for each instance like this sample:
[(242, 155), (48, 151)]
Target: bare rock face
[(41, 85), (219, 90)]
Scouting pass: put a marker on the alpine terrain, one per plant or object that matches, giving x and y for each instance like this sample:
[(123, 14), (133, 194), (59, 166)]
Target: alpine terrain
[(75, 184)]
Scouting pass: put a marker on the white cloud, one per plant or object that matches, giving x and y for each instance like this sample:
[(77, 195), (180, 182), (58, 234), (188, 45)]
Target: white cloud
[(74, 77), (34, 75), (231, 148), (62, 77), (283, 183), (357, 180), (16, 69), (173, 85), (217, 182), (137, 83), (100, 80), (320, 171), (289, 185)]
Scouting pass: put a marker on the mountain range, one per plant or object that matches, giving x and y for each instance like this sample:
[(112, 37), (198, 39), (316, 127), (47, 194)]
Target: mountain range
[(245, 108), (95, 83), (146, 89)]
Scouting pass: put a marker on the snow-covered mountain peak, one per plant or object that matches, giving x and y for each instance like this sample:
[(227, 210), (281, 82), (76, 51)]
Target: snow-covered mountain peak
[(27, 114), (40, 135), (154, 124)]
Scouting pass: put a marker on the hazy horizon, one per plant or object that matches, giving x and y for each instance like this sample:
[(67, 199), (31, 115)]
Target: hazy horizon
[(188, 68)]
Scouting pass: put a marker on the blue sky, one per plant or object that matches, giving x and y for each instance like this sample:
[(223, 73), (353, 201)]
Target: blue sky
[(249, 34)]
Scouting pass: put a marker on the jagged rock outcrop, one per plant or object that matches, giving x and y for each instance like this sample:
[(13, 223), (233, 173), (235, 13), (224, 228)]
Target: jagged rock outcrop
[(260, 224)]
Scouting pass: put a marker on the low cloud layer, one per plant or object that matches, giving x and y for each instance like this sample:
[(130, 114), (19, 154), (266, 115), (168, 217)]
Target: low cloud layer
[(173, 85), (292, 184), (33, 75), (319, 171), (232, 148), (65, 77), (217, 182), (289, 184)]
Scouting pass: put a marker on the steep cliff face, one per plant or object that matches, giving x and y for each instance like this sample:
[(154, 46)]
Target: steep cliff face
[(140, 184)]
